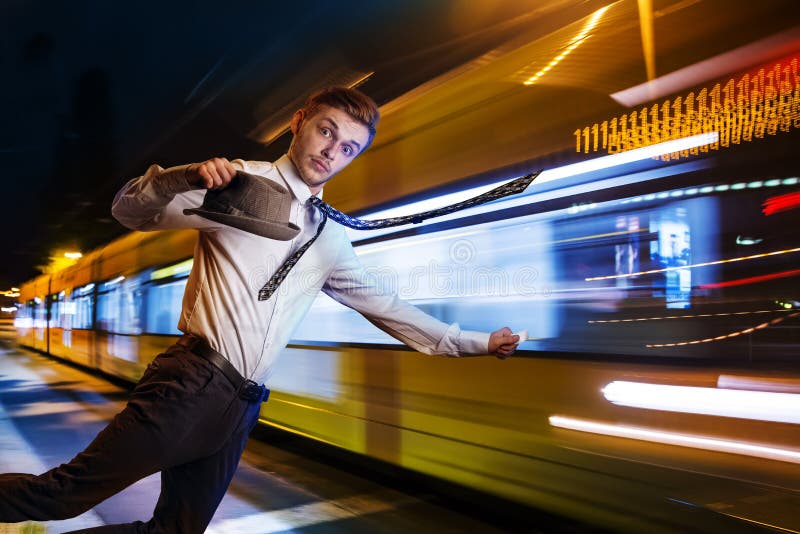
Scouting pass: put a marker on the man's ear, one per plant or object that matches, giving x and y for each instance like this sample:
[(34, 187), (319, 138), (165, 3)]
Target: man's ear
[(297, 120)]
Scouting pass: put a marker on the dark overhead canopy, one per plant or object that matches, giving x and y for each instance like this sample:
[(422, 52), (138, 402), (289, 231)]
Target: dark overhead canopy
[(95, 91)]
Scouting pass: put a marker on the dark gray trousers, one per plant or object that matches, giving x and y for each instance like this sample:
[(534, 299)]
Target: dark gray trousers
[(184, 419)]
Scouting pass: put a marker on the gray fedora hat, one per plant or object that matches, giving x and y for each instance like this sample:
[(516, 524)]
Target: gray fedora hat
[(251, 203)]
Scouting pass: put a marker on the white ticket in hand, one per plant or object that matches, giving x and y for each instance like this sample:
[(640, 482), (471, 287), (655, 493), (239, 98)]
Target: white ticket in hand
[(523, 335)]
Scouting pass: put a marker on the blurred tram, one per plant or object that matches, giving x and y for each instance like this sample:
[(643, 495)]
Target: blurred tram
[(653, 264)]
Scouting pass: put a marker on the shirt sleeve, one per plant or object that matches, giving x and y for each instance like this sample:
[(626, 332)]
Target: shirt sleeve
[(156, 200), (350, 285)]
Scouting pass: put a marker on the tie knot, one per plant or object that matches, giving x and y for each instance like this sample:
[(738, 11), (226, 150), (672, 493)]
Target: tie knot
[(314, 200)]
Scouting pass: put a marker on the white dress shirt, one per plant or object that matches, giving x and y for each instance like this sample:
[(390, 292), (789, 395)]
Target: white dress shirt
[(221, 303)]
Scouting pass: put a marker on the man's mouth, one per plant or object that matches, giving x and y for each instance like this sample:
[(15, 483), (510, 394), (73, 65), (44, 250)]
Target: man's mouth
[(320, 166)]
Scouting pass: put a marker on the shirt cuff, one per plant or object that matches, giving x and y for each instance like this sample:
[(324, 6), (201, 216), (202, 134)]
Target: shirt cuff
[(172, 181), (471, 342)]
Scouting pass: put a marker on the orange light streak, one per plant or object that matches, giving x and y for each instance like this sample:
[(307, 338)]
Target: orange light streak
[(576, 42), (637, 319), (725, 336), (704, 264)]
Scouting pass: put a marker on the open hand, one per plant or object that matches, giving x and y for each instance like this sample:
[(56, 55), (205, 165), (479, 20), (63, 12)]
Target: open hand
[(503, 343), (215, 173)]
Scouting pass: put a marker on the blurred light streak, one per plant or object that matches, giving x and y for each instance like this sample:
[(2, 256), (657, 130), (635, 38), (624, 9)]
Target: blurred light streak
[(85, 289), (760, 383), (704, 264), (172, 270), (780, 44), (675, 438), (381, 247), (273, 123), (683, 316), (364, 250), (579, 39), (648, 36), (781, 203), (726, 336), (748, 240), (205, 78), (598, 236), (622, 158), (743, 404), (549, 175), (751, 279)]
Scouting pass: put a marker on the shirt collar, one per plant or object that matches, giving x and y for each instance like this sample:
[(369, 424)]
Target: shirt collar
[(292, 178)]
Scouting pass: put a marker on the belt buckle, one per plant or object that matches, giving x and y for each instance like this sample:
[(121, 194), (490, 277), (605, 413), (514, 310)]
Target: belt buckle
[(249, 390)]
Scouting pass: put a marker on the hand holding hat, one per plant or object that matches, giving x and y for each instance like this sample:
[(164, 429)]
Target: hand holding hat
[(241, 200), (215, 173)]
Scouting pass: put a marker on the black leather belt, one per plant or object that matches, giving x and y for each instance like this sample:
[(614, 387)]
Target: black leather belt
[(245, 388)]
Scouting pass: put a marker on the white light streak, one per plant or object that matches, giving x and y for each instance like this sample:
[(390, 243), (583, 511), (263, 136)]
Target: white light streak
[(631, 156), (675, 438), (760, 383), (85, 289), (765, 49), (744, 404), (548, 175)]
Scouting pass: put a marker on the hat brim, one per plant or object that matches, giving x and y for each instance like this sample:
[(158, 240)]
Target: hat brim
[(269, 229)]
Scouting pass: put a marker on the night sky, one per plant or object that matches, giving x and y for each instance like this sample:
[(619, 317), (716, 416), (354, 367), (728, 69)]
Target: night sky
[(95, 91)]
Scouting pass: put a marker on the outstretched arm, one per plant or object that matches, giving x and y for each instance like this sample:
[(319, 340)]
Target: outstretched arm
[(156, 200), (350, 285)]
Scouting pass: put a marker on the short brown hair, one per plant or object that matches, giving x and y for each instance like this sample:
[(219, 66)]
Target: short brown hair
[(352, 101)]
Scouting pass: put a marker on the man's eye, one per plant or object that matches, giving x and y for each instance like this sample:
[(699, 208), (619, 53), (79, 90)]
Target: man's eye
[(348, 151), (325, 131)]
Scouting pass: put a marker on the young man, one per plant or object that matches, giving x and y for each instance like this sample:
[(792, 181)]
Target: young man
[(191, 413)]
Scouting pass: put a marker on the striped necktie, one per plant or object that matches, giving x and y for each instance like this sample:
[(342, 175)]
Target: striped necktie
[(510, 188)]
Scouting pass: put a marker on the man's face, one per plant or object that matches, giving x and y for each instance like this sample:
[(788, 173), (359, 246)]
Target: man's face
[(325, 143)]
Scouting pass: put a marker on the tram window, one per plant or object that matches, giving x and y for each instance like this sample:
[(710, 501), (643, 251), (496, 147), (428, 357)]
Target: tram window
[(164, 296), (39, 313), (163, 307), (57, 310), (118, 305), (660, 274), (23, 318), (496, 272), (83, 307)]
